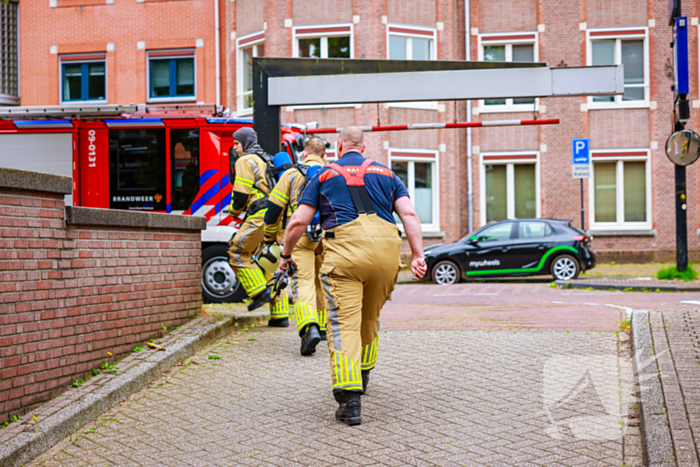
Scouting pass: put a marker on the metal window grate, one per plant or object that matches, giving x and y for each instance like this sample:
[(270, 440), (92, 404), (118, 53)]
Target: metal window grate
[(9, 49)]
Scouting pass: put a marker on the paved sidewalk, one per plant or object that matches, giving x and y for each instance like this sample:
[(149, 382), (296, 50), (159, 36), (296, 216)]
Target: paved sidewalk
[(631, 283), (676, 338), (436, 398)]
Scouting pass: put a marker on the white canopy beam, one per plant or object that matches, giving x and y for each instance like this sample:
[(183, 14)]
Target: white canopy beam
[(446, 85)]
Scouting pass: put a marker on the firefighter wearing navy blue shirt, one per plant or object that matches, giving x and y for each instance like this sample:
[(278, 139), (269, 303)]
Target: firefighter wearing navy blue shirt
[(356, 198)]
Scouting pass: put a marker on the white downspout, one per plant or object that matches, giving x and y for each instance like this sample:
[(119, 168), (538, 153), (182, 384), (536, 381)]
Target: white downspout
[(217, 48), (467, 47)]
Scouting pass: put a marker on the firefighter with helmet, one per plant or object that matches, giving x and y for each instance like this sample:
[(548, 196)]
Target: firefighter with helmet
[(309, 307), (251, 188), (362, 245)]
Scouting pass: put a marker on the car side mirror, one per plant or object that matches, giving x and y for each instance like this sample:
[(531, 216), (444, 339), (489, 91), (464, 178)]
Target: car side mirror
[(473, 240)]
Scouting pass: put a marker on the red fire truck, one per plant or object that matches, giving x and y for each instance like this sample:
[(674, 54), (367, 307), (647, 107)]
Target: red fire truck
[(167, 159)]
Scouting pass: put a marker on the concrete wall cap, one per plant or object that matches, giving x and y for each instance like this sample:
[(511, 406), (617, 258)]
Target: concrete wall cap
[(35, 181), (118, 218)]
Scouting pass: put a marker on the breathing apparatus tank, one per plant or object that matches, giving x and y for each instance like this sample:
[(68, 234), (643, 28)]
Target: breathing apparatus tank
[(282, 162)]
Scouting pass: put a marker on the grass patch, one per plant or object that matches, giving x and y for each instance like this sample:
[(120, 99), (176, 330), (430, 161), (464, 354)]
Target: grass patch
[(672, 273), (625, 325)]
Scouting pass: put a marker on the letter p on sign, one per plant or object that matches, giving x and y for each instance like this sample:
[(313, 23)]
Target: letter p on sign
[(581, 158)]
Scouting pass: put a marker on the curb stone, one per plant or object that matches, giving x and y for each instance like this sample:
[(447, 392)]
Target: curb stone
[(635, 288), (656, 434), (29, 444)]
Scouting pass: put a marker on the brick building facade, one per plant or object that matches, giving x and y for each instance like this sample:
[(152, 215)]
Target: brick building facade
[(165, 51)]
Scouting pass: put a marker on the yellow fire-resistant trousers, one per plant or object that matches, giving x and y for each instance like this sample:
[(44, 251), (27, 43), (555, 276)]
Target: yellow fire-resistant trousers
[(308, 304), (321, 306), (359, 272), (243, 246)]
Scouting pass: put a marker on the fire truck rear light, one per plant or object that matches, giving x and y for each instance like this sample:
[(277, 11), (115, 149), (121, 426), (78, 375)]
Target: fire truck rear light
[(581, 238)]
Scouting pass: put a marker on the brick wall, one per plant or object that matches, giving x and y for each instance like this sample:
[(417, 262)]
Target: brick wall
[(321, 11), (605, 13), (249, 16), (415, 13), (506, 15), (71, 293), (619, 128), (84, 28)]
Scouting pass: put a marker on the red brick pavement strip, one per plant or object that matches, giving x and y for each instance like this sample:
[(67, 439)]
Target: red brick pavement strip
[(676, 337), (518, 307)]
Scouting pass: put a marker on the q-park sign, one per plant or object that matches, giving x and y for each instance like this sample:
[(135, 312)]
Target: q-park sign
[(581, 158)]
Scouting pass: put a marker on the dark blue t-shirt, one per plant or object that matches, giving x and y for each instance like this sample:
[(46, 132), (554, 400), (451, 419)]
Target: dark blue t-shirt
[(328, 192)]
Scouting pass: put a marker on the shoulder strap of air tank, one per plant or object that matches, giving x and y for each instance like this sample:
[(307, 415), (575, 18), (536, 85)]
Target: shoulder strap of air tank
[(356, 187)]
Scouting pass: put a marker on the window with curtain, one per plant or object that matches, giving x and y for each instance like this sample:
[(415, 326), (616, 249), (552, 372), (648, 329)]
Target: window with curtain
[(510, 191), (620, 192), (171, 77), (420, 179), (628, 51), (516, 51)]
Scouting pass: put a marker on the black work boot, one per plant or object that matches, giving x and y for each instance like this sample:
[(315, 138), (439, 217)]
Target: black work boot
[(278, 322), (348, 408), (310, 340), (260, 299), (323, 334), (365, 381)]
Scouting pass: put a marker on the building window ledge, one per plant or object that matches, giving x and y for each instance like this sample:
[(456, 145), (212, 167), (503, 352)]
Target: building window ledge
[(625, 233)]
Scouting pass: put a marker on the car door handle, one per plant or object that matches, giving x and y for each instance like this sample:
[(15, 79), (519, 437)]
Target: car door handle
[(505, 249), (541, 247)]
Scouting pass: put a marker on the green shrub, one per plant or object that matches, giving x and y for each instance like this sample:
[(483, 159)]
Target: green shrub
[(671, 273)]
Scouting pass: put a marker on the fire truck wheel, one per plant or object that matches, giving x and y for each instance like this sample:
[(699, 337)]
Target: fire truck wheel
[(219, 283)]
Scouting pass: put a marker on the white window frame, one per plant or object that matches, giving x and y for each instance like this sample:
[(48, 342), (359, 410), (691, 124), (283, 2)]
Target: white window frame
[(323, 35), (509, 39), (618, 155), (324, 32), (244, 43), (428, 105), (421, 155), (509, 159), (60, 77), (172, 54), (620, 34)]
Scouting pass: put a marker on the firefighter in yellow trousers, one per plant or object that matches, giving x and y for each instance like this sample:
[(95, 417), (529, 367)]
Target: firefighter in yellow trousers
[(356, 198), (309, 310), (250, 193)]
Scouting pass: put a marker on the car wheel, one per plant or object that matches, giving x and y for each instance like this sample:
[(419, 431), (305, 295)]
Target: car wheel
[(219, 282), (446, 273), (565, 267)]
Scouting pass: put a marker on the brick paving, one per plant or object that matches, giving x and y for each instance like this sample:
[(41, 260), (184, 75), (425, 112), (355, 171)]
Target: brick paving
[(436, 398), (676, 337)]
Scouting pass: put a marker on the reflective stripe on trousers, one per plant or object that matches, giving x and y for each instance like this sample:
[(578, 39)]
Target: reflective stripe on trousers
[(359, 272)]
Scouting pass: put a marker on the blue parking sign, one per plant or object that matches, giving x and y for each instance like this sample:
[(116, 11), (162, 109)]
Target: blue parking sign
[(581, 157)]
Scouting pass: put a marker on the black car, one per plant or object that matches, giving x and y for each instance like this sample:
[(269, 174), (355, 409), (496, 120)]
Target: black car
[(522, 247)]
